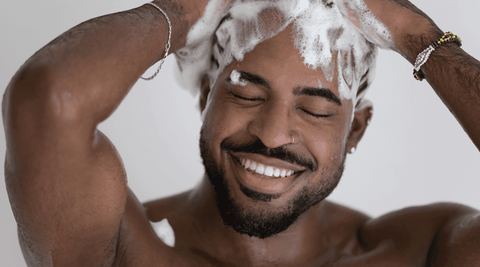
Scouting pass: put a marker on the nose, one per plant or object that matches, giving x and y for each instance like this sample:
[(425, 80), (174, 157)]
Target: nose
[(273, 125)]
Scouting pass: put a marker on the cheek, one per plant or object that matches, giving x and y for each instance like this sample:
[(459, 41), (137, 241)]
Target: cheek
[(329, 151), (328, 144), (222, 120)]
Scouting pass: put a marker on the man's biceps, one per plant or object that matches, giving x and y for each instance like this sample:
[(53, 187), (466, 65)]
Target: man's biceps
[(457, 243), (466, 228)]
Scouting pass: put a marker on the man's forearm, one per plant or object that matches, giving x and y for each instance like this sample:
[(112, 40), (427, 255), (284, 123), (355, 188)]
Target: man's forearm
[(455, 77), (91, 67), (452, 73)]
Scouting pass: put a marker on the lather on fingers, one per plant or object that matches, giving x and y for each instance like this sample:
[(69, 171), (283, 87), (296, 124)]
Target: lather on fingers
[(388, 23)]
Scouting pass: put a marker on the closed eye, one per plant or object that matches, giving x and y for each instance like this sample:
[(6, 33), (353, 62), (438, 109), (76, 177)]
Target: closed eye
[(245, 98), (315, 115)]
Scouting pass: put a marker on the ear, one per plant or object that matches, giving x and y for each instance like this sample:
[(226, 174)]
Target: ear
[(359, 125), (204, 91)]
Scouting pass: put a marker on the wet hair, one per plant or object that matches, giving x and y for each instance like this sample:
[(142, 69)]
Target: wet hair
[(319, 28)]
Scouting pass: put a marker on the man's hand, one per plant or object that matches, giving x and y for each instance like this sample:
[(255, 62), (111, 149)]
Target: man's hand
[(391, 24), (400, 26)]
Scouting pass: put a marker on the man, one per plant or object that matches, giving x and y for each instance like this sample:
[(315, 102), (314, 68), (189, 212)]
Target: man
[(67, 185)]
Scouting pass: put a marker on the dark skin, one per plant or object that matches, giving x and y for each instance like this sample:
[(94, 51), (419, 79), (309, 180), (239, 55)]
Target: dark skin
[(67, 185)]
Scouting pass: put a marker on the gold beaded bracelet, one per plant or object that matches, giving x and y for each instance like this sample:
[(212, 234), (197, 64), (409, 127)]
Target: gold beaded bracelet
[(422, 58)]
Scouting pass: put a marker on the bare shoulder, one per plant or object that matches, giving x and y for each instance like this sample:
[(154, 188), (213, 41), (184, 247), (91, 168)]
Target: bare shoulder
[(138, 245), (167, 207), (457, 242), (446, 234)]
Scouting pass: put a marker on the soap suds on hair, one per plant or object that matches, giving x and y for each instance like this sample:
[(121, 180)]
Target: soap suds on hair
[(320, 85), (375, 31), (323, 35)]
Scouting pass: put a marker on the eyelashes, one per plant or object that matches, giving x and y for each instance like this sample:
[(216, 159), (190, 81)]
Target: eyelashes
[(245, 98), (315, 115), (301, 109)]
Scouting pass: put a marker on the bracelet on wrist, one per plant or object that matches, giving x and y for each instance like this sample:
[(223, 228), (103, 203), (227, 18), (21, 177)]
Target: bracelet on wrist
[(422, 58), (167, 46)]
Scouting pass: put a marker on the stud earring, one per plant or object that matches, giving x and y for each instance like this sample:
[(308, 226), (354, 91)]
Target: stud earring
[(352, 150), (293, 138)]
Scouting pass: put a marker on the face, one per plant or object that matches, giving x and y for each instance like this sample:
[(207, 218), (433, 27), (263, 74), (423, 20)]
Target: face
[(263, 181)]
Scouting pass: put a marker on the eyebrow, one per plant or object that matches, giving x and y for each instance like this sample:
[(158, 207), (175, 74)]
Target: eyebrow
[(319, 92), (253, 78), (310, 91)]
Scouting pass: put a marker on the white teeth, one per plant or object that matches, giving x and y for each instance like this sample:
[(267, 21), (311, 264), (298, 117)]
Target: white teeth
[(265, 170), (269, 171), (260, 169), (253, 166)]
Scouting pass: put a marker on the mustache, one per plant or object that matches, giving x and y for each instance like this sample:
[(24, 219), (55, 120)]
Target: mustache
[(257, 147)]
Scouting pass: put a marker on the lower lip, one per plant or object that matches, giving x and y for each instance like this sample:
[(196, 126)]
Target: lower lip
[(260, 183)]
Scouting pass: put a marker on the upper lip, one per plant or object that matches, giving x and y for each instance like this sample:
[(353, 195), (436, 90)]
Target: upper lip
[(268, 161)]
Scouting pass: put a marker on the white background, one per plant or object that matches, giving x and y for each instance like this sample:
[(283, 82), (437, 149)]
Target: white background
[(413, 153)]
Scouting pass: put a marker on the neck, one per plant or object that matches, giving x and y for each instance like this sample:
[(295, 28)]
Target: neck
[(304, 241)]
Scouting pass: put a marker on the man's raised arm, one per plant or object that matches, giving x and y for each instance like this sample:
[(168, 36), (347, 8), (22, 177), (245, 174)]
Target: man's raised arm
[(453, 74), (65, 180), (455, 77)]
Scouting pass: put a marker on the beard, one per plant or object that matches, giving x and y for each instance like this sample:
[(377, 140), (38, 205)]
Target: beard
[(260, 219)]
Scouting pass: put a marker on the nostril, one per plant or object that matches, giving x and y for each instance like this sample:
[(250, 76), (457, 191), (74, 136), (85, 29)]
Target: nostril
[(272, 127)]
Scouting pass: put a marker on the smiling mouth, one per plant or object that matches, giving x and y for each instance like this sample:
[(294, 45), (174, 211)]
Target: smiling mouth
[(265, 170)]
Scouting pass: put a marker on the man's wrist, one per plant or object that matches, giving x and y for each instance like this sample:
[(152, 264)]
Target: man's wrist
[(416, 38), (183, 15), (178, 36)]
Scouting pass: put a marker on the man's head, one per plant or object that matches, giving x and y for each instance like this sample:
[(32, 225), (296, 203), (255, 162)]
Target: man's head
[(276, 130), (325, 38)]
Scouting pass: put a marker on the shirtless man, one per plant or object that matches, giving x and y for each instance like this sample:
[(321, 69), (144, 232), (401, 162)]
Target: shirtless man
[(68, 187)]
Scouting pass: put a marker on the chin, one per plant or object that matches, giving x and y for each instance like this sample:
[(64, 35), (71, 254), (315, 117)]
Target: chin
[(263, 214)]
